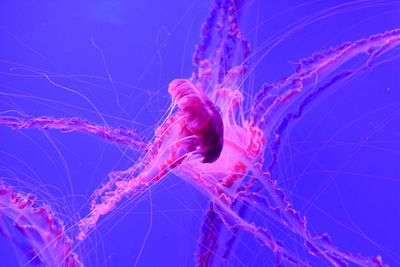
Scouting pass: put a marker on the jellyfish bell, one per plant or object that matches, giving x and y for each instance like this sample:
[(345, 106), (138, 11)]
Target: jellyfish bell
[(243, 144), (201, 118)]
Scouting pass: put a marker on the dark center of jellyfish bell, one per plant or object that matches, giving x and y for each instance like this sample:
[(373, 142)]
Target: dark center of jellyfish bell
[(212, 139)]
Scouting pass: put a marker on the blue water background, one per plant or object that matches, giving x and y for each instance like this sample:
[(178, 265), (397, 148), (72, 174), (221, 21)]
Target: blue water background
[(339, 164)]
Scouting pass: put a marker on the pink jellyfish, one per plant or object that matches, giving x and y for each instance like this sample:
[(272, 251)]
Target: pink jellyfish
[(226, 150)]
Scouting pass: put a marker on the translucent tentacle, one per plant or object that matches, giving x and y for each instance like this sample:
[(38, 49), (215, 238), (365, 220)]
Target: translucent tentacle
[(169, 150), (318, 245), (112, 135), (273, 99), (222, 45), (270, 109), (208, 241), (213, 246)]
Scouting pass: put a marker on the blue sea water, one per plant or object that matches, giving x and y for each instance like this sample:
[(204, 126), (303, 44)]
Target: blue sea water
[(339, 164)]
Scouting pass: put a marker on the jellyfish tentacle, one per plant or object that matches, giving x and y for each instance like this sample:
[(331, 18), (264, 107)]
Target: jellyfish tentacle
[(317, 244), (212, 246), (270, 110), (169, 149), (208, 241), (222, 44), (121, 135), (45, 239), (273, 99)]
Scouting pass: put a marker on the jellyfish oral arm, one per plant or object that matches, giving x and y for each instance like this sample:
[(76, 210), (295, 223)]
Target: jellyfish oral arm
[(45, 241), (169, 149), (273, 99), (201, 119), (120, 135)]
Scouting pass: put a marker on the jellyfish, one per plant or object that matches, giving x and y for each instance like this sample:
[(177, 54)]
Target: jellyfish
[(222, 144)]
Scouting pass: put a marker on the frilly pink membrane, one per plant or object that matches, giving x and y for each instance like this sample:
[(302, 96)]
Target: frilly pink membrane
[(212, 143), (45, 242)]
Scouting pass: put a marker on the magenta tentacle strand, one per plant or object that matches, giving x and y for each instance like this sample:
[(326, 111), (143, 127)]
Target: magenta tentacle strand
[(121, 135), (273, 99)]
